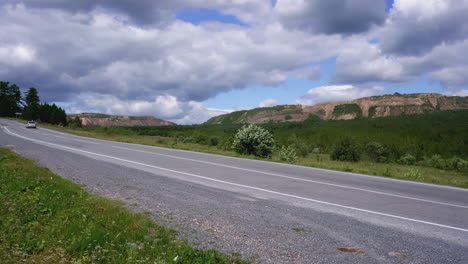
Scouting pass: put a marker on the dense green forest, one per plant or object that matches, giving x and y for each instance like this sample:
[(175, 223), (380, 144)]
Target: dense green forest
[(443, 133), (30, 107)]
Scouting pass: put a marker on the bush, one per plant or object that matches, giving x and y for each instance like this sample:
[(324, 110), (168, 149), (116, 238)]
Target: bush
[(377, 152), (437, 161), (226, 143), (288, 154), (407, 159), (456, 163), (253, 140), (302, 149), (346, 150), (214, 141)]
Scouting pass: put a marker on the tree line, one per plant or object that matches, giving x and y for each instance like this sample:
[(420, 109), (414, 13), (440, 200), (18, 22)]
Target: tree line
[(29, 107)]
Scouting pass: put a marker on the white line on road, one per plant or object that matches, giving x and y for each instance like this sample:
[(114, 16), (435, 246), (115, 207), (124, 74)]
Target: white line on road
[(241, 185), (295, 178), (86, 141)]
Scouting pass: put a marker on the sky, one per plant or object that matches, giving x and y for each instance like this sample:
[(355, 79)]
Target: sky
[(189, 60)]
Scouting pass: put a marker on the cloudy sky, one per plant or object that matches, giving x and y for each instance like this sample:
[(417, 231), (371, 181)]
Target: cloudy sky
[(188, 60)]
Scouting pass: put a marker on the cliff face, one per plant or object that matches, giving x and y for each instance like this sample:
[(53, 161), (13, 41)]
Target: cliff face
[(114, 120), (369, 107)]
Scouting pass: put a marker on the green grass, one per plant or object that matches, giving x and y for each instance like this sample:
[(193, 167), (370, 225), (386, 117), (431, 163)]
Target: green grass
[(46, 219)]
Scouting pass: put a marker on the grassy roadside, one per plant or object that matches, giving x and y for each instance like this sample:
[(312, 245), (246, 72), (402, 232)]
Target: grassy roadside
[(392, 170), (46, 219)]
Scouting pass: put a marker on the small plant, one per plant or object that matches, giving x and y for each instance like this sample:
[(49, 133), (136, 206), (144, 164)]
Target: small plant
[(377, 152), (253, 140), (346, 150), (407, 159), (387, 173), (413, 174), (288, 154)]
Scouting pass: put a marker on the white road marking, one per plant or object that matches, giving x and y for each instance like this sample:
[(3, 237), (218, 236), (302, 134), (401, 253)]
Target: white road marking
[(295, 178), (86, 141), (242, 185)]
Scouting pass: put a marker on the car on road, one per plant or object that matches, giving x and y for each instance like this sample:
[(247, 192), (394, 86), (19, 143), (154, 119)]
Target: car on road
[(31, 124)]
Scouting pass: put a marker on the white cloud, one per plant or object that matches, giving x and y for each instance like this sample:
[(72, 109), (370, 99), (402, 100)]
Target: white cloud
[(414, 28), (365, 62), (164, 107), (268, 102), (337, 93), (101, 53), (17, 54)]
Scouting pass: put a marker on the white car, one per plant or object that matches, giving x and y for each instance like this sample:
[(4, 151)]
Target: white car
[(31, 124)]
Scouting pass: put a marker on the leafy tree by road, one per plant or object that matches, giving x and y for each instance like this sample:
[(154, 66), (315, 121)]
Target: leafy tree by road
[(253, 140)]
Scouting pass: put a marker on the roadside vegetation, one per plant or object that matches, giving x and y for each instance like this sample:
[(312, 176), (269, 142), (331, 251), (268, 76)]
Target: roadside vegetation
[(46, 219), (429, 148), (28, 107)]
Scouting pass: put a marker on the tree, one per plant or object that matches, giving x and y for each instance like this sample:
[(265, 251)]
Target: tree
[(377, 152), (52, 114), (31, 111), (75, 122), (253, 140), (10, 99), (346, 150)]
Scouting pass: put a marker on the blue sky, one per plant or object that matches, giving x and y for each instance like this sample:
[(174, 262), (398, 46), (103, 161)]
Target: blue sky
[(187, 61)]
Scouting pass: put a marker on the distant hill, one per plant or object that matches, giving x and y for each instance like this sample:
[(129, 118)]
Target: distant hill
[(92, 119), (368, 107)]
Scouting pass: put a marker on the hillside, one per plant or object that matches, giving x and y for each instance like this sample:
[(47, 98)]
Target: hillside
[(368, 107), (90, 119)]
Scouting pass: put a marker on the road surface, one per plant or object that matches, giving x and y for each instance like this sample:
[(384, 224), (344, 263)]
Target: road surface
[(270, 212)]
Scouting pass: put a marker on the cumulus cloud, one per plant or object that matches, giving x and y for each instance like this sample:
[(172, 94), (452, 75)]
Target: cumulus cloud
[(337, 93), (98, 52), (415, 27), (165, 107), (416, 40), (268, 103), (331, 16), (367, 63)]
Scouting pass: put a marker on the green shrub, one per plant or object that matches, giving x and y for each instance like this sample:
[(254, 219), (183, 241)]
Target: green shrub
[(456, 163), (377, 152), (346, 150), (253, 140), (317, 150), (407, 159), (288, 154), (437, 161), (226, 143), (201, 139), (301, 148), (214, 141)]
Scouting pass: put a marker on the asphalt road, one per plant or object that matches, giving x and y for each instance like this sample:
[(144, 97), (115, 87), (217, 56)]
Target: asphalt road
[(273, 213)]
